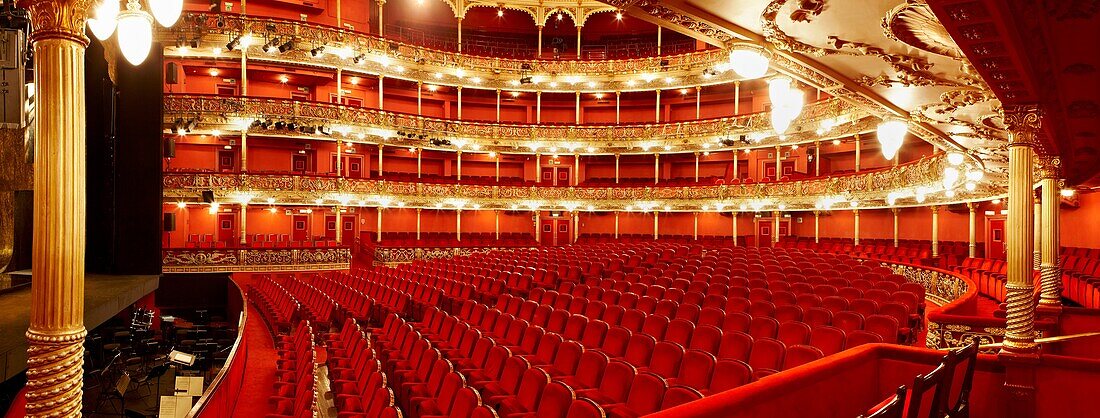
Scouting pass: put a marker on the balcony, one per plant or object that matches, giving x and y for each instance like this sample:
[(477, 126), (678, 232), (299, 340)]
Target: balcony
[(233, 260)]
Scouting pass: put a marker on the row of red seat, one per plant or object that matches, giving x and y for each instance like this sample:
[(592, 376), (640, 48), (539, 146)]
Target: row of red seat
[(293, 395), (278, 308), (361, 388)]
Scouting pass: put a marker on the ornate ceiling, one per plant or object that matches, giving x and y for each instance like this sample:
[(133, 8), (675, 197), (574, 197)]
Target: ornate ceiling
[(890, 57), (1042, 53)]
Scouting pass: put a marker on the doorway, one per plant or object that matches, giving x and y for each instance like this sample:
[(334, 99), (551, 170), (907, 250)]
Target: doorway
[(995, 238), (300, 228), (227, 227)]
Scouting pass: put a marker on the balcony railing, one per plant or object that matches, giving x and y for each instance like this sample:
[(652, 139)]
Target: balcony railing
[(404, 60), (206, 260), (226, 113), (870, 188)]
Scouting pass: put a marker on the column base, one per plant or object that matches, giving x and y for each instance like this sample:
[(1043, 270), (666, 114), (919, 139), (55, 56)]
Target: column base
[(1020, 383), (55, 373)]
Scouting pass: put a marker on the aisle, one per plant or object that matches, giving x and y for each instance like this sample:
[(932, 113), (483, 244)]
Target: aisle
[(259, 369)]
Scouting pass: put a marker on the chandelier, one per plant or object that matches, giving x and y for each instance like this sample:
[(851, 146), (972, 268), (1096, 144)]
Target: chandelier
[(787, 103), (134, 25), (748, 63), (891, 133)]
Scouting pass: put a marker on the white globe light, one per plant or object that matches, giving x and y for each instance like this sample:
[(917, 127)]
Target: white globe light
[(971, 186), (950, 176), (135, 35), (786, 103), (167, 12), (974, 175), (748, 63), (949, 193), (891, 134), (103, 20), (955, 158)]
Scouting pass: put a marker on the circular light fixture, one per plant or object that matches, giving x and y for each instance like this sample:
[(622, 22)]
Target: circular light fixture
[(104, 19), (748, 63), (891, 133), (166, 12), (950, 177), (975, 175), (949, 193), (786, 103), (135, 33), (955, 158), (971, 186)]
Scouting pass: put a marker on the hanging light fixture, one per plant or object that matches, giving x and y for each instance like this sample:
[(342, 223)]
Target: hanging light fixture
[(135, 26), (950, 176), (748, 62), (891, 133), (955, 158), (166, 12), (135, 33), (104, 17), (786, 103)]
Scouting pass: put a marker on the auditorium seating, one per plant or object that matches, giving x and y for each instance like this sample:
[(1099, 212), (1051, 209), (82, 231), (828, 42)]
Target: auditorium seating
[(608, 329)]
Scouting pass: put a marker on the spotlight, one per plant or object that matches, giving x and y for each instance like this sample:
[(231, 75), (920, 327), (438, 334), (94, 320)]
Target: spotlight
[(292, 126), (318, 51), (286, 46), (618, 15), (280, 125), (526, 80), (500, 12), (267, 124), (233, 43), (271, 45), (359, 59)]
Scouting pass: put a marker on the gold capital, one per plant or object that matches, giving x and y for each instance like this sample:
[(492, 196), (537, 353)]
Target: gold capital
[(1048, 166), (58, 19), (1023, 122)]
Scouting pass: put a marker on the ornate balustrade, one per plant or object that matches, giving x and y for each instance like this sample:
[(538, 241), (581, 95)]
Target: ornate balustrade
[(953, 322), (870, 189), (203, 260), (228, 114), (402, 60)]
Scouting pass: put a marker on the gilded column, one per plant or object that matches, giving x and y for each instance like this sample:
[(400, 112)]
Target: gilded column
[(656, 229), (418, 223), (339, 224), (379, 226), (1036, 255), (656, 168), (973, 245), (695, 226), (895, 211), (458, 225), (735, 229), (1050, 273), (935, 231), (496, 223), (244, 225), (855, 232), (775, 226), (858, 143), (616, 224), (1024, 124), (458, 160), (380, 148), (56, 332), (576, 226)]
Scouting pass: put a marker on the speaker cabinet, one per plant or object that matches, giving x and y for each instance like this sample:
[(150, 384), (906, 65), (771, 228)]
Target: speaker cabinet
[(172, 73), (169, 222), (170, 147), (208, 196)]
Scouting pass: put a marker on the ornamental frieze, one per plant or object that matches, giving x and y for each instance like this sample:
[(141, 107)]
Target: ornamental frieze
[(869, 187), (229, 113), (196, 260)]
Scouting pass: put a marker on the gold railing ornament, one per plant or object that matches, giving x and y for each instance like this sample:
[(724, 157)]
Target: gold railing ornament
[(56, 332)]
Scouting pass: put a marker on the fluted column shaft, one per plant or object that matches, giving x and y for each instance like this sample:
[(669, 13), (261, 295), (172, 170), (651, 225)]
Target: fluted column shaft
[(973, 245), (1020, 333), (56, 332)]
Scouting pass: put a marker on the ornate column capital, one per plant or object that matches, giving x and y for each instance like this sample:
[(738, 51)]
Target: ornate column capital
[(58, 19), (1024, 122), (935, 208), (1048, 166)]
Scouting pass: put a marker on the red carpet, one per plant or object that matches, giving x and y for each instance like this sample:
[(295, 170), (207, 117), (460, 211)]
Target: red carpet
[(260, 368)]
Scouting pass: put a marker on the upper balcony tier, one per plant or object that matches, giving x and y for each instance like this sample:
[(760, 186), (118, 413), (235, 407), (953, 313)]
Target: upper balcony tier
[(916, 183), (207, 114), (279, 41)]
